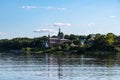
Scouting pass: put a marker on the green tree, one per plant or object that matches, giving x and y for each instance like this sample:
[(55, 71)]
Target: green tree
[(110, 39), (103, 42)]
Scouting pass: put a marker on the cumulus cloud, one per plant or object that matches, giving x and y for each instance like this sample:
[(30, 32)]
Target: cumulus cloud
[(29, 7), (61, 24), (46, 30)]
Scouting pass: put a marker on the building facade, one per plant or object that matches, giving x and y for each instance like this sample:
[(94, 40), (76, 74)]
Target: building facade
[(57, 41)]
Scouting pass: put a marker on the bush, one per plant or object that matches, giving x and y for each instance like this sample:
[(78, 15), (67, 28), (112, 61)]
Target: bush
[(117, 49), (81, 49)]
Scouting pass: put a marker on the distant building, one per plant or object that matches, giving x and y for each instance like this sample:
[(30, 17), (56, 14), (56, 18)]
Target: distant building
[(57, 41), (46, 45), (82, 41), (90, 39)]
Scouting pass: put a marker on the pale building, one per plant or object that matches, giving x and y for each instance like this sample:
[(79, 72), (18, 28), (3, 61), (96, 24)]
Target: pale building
[(57, 41)]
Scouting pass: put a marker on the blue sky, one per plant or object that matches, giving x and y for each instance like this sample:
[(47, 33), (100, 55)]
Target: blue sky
[(34, 18)]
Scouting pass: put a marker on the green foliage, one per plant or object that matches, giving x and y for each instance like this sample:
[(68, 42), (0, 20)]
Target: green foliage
[(110, 38), (81, 49), (117, 49), (93, 42), (19, 43), (78, 49), (76, 42), (72, 37), (103, 42), (65, 47), (58, 48)]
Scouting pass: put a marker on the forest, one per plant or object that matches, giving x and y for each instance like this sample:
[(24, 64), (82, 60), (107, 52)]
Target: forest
[(82, 43)]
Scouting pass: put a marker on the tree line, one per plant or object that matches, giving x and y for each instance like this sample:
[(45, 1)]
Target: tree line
[(82, 43)]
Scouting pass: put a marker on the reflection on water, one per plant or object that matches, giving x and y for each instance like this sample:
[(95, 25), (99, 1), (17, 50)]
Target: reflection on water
[(59, 67)]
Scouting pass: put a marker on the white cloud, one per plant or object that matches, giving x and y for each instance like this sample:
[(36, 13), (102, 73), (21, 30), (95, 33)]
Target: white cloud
[(112, 16), (29, 7), (47, 8), (61, 24), (54, 8), (62, 9), (46, 30)]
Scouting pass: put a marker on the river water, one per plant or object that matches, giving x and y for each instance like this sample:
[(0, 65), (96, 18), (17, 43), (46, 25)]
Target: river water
[(59, 67)]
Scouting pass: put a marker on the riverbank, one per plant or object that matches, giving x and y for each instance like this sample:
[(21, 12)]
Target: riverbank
[(78, 44)]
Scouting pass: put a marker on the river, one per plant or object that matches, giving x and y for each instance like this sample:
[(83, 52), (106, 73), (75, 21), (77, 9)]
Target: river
[(59, 67)]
